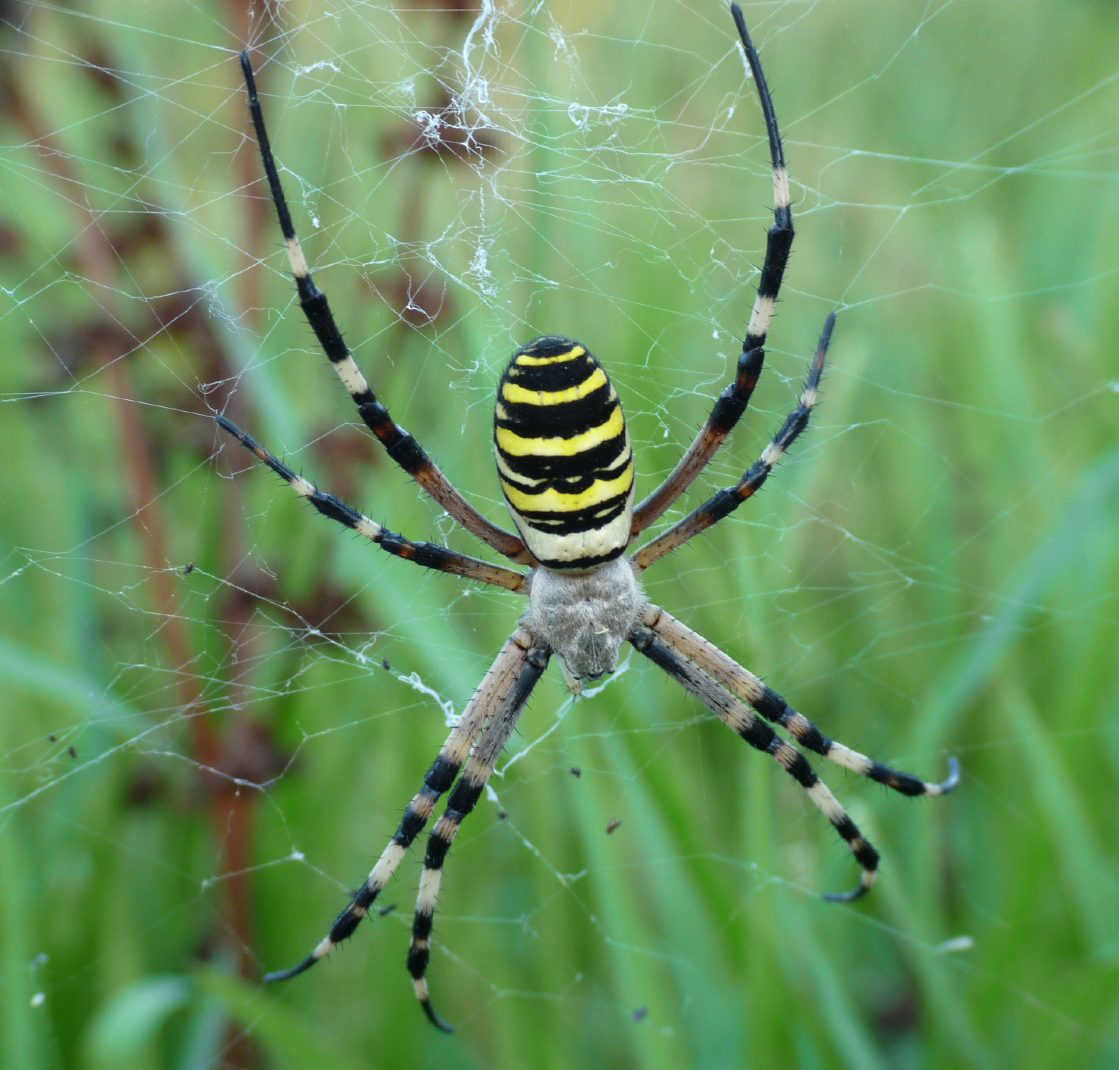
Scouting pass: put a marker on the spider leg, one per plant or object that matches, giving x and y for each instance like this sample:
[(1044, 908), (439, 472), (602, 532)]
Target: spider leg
[(748, 687), (730, 405), (399, 444), (462, 800), (498, 689), (724, 502), (422, 553), (737, 716)]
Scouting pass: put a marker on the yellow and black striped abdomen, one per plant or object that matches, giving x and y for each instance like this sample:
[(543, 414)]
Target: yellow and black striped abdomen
[(563, 455)]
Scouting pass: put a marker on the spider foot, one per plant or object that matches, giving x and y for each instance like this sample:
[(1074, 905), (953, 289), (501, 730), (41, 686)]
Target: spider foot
[(343, 927), (953, 779), (858, 892), (287, 975), (420, 985)]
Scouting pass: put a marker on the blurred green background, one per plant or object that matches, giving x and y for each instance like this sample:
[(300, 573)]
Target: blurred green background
[(216, 704)]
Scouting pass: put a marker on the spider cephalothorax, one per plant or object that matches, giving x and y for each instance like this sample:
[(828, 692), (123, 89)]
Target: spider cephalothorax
[(585, 616), (567, 472)]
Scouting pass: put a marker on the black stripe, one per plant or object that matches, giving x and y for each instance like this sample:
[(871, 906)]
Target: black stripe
[(465, 796), (417, 965), (562, 420), (549, 345), (573, 484), (758, 734), (346, 922), (774, 708), (779, 241), (722, 503), (600, 458), (412, 823), (799, 770), (401, 446), (442, 774), (550, 377), (331, 507), (733, 401), (582, 562), (771, 705), (905, 783), (812, 738), (569, 523), (864, 853), (847, 828), (560, 523), (438, 845), (317, 310), (421, 925)]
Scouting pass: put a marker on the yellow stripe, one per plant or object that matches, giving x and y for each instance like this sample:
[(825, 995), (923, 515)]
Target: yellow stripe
[(516, 446), (552, 501), (519, 395), (572, 354)]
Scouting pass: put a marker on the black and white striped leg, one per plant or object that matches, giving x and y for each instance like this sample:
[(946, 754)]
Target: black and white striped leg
[(497, 693), (461, 802), (399, 444), (741, 719), (724, 502), (730, 405), (427, 554), (750, 688)]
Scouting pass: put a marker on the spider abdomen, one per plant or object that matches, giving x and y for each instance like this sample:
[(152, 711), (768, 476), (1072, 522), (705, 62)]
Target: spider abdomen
[(563, 455)]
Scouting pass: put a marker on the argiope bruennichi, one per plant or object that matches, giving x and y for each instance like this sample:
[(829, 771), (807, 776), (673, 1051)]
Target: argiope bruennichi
[(567, 471)]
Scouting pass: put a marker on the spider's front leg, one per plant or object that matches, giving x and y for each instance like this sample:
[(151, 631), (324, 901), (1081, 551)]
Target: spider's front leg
[(724, 502), (427, 554), (730, 405), (398, 443)]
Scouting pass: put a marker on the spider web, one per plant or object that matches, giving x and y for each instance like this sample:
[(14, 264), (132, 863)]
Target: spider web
[(217, 704)]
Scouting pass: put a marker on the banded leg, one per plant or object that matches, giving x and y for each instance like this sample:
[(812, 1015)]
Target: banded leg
[(498, 689), (726, 501), (748, 687), (730, 405), (461, 802), (400, 445), (742, 720), (427, 554)]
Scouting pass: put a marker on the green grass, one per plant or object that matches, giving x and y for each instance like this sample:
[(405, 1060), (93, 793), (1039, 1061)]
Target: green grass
[(932, 572)]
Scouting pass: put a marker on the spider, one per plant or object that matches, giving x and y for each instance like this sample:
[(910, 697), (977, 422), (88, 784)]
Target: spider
[(566, 469)]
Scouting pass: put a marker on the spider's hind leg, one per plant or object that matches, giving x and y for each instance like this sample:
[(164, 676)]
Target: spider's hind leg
[(737, 716), (463, 799), (500, 687), (750, 688)]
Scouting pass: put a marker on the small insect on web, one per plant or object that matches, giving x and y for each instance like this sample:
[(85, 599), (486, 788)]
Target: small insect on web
[(567, 471)]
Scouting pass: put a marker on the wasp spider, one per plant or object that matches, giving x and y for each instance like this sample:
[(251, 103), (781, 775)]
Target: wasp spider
[(567, 472)]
